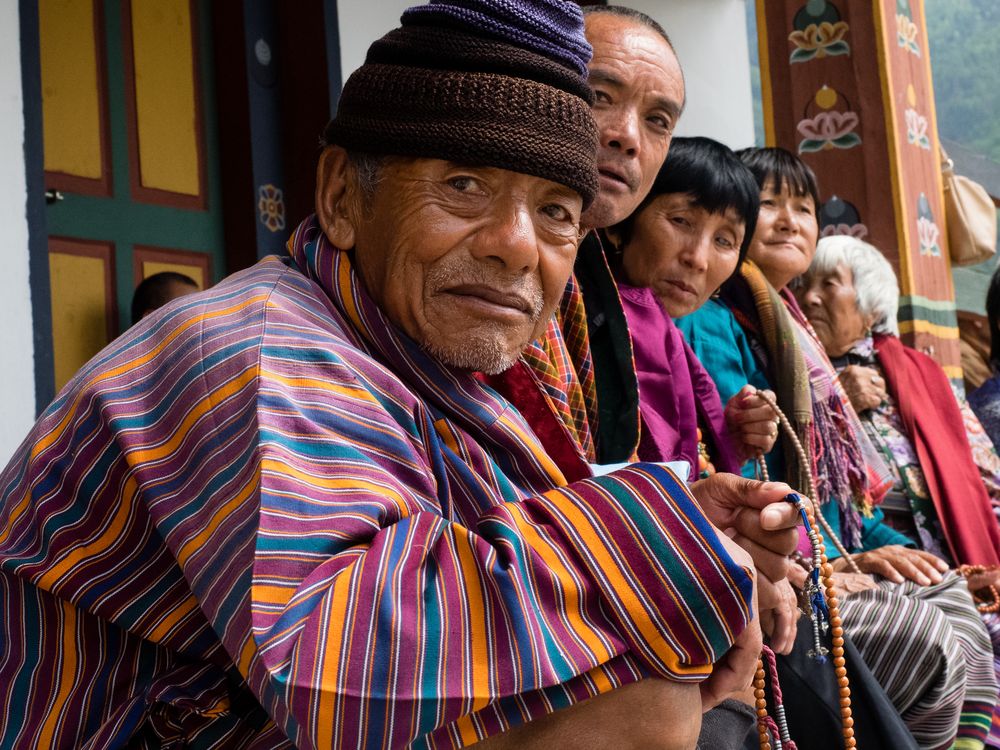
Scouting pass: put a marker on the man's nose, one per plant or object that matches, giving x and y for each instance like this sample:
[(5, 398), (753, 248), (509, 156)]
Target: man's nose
[(509, 238), (620, 130)]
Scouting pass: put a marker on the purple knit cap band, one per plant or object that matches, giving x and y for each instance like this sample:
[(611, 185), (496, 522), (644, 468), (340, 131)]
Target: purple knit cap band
[(553, 28)]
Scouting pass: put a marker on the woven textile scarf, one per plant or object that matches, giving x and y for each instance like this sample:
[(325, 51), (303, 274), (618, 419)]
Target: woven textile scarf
[(844, 463), (568, 384), (936, 428), (849, 467), (790, 378)]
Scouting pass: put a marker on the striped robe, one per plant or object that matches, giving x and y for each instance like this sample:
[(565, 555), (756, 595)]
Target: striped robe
[(265, 518)]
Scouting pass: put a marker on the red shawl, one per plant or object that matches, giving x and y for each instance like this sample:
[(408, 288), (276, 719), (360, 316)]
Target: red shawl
[(934, 423)]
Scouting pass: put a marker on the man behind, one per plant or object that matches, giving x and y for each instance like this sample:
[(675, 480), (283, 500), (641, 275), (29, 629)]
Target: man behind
[(291, 514)]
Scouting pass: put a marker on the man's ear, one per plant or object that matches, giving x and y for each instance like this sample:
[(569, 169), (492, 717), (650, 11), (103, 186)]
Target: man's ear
[(333, 198)]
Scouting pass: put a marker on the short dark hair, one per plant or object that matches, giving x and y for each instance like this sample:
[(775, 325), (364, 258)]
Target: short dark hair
[(993, 313), (712, 175), (151, 293), (631, 13), (782, 168)]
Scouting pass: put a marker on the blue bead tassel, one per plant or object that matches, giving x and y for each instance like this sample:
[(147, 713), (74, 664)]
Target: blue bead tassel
[(819, 614)]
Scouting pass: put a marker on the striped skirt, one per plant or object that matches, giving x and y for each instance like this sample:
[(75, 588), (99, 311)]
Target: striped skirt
[(929, 649)]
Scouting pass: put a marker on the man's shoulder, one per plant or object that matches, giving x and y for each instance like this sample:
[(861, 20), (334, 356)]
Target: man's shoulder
[(220, 329)]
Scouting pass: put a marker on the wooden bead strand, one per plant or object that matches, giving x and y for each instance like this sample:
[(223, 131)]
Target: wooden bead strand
[(813, 520), (986, 606)]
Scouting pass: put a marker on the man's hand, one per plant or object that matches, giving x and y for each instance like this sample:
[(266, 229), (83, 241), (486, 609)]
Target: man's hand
[(755, 515), (752, 422), (779, 613), (898, 564), (734, 672), (864, 387)]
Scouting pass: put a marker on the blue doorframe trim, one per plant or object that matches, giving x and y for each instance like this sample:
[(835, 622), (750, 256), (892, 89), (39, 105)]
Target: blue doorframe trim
[(38, 237), (334, 75)]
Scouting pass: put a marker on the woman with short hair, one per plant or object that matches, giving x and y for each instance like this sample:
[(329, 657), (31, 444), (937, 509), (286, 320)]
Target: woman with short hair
[(937, 450)]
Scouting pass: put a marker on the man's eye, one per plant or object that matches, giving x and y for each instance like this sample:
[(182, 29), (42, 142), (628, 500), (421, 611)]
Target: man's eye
[(725, 242), (659, 121), (681, 221), (557, 212), (601, 97), (463, 183)]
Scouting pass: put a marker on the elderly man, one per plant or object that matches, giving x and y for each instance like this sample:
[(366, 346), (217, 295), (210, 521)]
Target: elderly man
[(288, 512)]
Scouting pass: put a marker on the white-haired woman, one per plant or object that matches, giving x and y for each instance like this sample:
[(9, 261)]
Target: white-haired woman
[(938, 451)]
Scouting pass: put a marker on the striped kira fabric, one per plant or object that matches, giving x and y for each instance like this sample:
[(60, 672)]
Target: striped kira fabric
[(264, 518)]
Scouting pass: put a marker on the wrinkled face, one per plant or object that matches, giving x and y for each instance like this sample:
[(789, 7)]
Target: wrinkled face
[(639, 94), (470, 262), (787, 231), (830, 301), (682, 252)]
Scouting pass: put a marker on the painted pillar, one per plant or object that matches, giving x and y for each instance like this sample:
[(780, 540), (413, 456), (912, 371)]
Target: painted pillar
[(847, 86), (264, 96)]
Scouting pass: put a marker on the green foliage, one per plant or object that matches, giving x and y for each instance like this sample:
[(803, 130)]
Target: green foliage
[(965, 56)]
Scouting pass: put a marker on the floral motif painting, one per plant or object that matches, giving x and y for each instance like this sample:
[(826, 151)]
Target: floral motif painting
[(837, 216), (819, 32), (829, 128), (271, 207), (916, 129), (906, 29), (928, 231)]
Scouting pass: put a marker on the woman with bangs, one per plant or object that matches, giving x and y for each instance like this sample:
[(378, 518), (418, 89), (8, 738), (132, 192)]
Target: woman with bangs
[(670, 256)]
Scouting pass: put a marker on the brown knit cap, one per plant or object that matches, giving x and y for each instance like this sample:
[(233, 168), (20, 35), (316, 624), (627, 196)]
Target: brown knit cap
[(450, 91)]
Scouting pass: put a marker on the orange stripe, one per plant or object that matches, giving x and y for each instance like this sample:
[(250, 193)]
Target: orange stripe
[(478, 661), (352, 391), (247, 654), (543, 547), (601, 681), (78, 555), (46, 735), (177, 614), (53, 435), (622, 590), (329, 664), (263, 594), (46, 441), (531, 443), (275, 466), (213, 399), (447, 435), (466, 730), (193, 544)]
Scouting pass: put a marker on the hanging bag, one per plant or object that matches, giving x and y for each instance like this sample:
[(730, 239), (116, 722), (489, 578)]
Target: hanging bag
[(971, 217)]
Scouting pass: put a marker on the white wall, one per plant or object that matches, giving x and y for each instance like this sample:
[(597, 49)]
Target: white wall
[(17, 373), (710, 37), (361, 23)]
